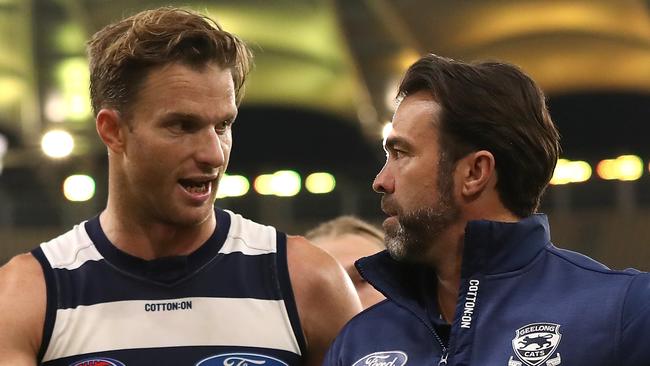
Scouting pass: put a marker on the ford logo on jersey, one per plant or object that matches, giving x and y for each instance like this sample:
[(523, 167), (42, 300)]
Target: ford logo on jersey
[(387, 358), (101, 361), (240, 359)]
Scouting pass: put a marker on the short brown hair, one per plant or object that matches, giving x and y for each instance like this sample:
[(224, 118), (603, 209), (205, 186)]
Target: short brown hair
[(122, 54), (343, 225), (492, 106)]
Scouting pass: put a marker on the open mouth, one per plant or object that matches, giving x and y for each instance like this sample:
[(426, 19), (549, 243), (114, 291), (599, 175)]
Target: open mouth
[(196, 186)]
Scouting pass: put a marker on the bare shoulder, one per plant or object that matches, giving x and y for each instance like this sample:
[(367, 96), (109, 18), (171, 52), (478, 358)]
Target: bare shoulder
[(22, 310), (324, 294), (314, 271)]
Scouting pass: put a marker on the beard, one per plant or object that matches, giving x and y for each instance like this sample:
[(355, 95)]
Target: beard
[(417, 230)]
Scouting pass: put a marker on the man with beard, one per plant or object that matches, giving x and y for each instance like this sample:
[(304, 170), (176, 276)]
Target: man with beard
[(470, 274), (160, 276)]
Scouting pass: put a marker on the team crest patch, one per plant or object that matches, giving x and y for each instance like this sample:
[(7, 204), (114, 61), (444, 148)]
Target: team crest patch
[(386, 358), (240, 359), (101, 361), (535, 343)]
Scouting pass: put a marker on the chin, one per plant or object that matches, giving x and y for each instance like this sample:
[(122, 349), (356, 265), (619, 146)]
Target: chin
[(192, 217)]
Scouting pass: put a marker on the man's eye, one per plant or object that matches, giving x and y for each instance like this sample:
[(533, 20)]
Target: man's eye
[(396, 154), (223, 126), (183, 126)]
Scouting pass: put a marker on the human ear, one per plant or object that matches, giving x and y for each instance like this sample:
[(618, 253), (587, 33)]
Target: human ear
[(478, 172), (109, 128)]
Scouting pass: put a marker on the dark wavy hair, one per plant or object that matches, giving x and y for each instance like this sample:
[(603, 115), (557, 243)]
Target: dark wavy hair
[(492, 106)]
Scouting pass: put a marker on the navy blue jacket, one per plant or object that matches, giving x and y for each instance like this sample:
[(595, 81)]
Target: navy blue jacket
[(522, 302)]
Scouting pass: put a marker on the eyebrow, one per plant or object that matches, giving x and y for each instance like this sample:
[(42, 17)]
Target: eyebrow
[(393, 142), (194, 118)]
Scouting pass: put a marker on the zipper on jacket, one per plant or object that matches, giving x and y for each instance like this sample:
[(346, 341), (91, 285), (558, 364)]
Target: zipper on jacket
[(445, 351), (443, 358)]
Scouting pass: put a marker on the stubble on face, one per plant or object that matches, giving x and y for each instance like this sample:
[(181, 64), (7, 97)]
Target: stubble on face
[(418, 229)]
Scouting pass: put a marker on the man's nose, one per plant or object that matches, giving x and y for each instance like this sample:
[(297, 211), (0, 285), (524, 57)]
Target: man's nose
[(383, 182), (210, 151)]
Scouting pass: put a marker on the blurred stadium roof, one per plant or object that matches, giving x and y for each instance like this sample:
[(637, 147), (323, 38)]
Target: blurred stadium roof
[(342, 58)]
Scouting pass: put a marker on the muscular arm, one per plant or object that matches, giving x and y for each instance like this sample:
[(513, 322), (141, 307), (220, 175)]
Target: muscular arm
[(324, 295), (22, 311)]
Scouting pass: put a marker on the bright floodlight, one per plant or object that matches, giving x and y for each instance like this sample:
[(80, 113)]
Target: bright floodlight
[(285, 183), (606, 169), (319, 183), (79, 188), (233, 186), (262, 184), (57, 144), (567, 171), (630, 167), (624, 167)]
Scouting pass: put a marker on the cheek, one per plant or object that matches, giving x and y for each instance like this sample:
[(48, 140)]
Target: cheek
[(226, 145)]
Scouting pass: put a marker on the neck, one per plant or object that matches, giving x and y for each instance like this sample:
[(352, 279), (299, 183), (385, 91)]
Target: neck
[(148, 238), (447, 259)]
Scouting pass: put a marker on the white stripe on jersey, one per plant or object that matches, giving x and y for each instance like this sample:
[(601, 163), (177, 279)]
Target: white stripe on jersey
[(210, 321), (248, 237), (71, 250)]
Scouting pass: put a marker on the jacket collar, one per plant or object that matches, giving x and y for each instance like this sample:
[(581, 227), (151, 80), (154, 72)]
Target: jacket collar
[(498, 247), (490, 248)]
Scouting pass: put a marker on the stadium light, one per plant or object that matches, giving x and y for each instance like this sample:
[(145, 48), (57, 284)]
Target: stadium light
[(320, 183), (57, 144), (567, 171), (233, 186), (283, 183), (624, 168), (262, 184), (79, 188)]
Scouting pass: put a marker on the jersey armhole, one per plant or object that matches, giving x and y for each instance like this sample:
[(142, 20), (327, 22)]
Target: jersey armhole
[(287, 290), (51, 301)]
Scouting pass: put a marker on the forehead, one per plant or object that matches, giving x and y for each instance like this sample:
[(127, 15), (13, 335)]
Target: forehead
[(177, 87), (416, 118)]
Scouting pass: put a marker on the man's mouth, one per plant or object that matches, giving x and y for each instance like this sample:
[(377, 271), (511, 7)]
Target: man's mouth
[(196, 186), (388, 209)]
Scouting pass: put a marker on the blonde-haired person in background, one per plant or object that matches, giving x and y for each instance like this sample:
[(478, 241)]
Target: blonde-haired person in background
[(347, 239)]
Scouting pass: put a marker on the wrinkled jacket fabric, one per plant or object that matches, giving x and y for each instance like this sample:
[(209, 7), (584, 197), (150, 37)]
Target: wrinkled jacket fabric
[(522, 302)]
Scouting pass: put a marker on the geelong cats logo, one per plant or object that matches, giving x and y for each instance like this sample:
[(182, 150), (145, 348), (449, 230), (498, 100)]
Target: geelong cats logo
[(240, 359), (535, 343)]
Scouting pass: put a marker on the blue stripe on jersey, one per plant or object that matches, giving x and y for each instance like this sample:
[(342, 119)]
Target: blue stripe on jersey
[(163, 270), (51, 293), (233, 275), (170, 356), (285, 288)]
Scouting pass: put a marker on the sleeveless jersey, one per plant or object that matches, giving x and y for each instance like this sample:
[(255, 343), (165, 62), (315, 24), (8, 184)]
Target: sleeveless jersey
[(228, 303)]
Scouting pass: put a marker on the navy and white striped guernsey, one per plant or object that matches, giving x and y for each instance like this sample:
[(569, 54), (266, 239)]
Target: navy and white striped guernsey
[(228, 303)]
